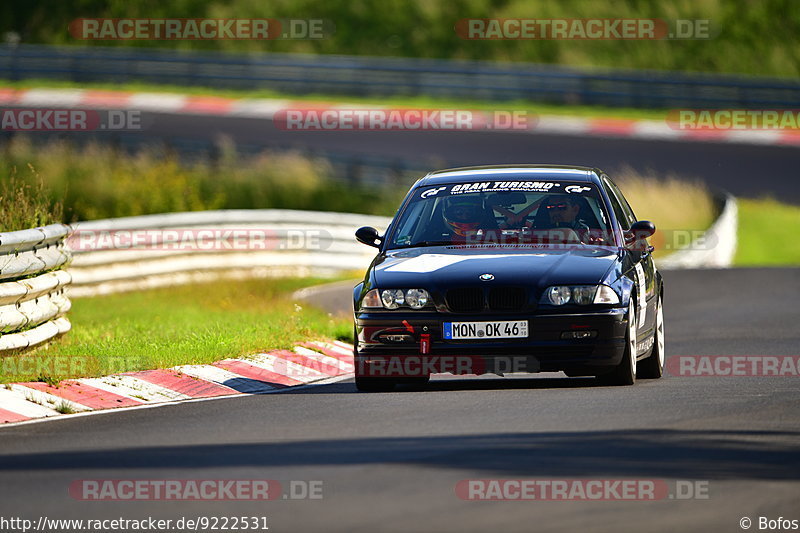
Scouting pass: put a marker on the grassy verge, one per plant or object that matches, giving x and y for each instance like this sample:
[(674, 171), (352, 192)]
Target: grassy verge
[(180, 325), (25, 204), (98, 181), (767, 233), (424, 102)]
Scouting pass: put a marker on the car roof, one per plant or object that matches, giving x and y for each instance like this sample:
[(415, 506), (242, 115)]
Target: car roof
[(483, 173)]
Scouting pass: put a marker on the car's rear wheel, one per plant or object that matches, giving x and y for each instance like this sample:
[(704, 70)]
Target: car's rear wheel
[(625, 372), (653, 366)]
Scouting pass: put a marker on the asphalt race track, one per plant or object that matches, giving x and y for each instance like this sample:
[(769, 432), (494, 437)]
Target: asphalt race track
[(741, 169), (391, 461)]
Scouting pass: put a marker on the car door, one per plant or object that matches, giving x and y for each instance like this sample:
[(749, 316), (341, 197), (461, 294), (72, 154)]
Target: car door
[(638, 264)]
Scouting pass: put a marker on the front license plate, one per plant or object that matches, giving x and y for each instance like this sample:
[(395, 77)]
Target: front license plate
[(508, 329)]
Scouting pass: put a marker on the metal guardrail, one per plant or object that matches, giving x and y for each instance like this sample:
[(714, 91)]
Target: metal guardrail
[(388, 76), (33, 301), (134, 253)]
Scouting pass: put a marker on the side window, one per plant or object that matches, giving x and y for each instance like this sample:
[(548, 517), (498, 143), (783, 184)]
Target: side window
[(626, 207), (624, 222)]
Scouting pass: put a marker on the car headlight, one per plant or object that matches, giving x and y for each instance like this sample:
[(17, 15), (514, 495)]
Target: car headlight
[(396, 298), (417, 298), (580, 295), (392, 298), (558, 295)]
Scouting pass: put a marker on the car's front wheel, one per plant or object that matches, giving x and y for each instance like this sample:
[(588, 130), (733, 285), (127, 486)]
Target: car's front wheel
[(653, 366), (625, 372)]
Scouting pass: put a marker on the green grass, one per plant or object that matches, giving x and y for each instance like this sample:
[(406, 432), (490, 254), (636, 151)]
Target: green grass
[(64, 408), (25, 203), (767, 233), (424, 102), (181, 325)]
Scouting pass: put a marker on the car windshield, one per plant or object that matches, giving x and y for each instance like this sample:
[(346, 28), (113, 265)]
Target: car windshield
[(504, 211)]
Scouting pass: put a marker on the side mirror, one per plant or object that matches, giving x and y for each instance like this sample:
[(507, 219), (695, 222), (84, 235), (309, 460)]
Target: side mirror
[(369, 236), (640, 230)]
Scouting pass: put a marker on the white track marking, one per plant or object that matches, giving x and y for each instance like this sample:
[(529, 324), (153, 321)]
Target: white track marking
[(326, 360), (754, 136), (648, 129), (133, 388), (296, 372), (224, 377), (52, 97), (157, 102), (15, 401), (286, 368), (347, 349), (567, 125), (45, 399), (258, 108)]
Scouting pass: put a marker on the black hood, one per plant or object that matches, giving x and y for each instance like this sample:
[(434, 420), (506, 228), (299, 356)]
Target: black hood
[(449, 266)]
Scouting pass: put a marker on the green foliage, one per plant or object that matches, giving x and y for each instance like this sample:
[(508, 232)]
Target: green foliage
[(99, 181), (751, 37), (24, 203)]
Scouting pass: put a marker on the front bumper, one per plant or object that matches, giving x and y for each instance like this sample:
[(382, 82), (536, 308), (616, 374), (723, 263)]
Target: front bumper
[(424, 349)]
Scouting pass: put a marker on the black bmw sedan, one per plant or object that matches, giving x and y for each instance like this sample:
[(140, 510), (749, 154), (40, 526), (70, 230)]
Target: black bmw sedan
[(506, 269)]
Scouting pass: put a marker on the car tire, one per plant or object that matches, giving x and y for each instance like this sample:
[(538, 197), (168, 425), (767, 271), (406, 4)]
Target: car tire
[(653, 366), (364, 384), (625, 372)]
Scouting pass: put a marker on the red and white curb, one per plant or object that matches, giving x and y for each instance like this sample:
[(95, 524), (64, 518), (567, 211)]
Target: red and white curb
[(309, 363), (267, 108)]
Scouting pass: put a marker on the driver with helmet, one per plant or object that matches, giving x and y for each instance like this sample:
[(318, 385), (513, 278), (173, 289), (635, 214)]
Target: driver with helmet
[(463, 215)]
